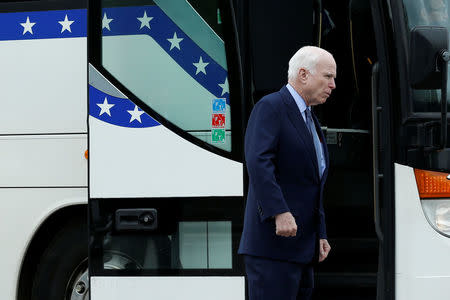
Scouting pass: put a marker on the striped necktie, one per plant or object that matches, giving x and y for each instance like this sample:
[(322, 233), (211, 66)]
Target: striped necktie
[(315, 137)]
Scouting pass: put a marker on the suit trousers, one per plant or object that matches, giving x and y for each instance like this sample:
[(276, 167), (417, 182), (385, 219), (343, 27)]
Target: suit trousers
[(270, 279)]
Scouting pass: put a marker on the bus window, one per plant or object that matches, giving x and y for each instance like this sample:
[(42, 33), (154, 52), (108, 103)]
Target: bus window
[(426, 13), (193, 245), (192, 236), (161, 44)]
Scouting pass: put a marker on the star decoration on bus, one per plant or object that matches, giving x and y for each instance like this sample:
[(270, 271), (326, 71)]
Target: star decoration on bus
[(201, 66), (66, 24), (225, 87), (105, 22), (117, 111), (135, 114), (105, 107), (189, 55), (27, 26), (145, 21), (175, 42)]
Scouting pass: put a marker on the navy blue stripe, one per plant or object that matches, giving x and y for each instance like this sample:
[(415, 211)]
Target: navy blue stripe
[(119, 112), (46, 24), (125, 22)]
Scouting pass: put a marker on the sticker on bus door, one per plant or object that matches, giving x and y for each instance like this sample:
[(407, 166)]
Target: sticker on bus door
[(218, 120)]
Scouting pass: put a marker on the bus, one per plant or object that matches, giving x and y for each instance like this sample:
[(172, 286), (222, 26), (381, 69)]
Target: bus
[(170, 86)]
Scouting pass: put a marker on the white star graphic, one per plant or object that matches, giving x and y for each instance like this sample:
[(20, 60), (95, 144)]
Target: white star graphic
[(27, 26), (145, 21), (106, 21), (65, 24), (200, 66), (225, 87), (105, 107), (135, 114), (175, 41)]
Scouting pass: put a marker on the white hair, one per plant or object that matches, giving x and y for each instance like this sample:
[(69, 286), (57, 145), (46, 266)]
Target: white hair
[(307, 58)]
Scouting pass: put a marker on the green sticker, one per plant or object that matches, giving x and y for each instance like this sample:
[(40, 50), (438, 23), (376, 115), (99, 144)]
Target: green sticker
[(218, 135)]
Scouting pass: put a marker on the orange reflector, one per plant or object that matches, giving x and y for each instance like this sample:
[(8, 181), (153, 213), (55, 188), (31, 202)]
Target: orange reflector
[(86, 154), (432, 184)]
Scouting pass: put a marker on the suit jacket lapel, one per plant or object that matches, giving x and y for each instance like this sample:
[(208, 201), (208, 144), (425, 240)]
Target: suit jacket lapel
[(299, 124)]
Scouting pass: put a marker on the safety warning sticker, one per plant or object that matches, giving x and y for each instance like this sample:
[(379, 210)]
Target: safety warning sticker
[(218, 121), (219, 106), (218, 136)]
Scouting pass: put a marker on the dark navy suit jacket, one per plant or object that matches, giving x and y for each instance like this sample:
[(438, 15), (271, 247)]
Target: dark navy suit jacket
[(283, 176)]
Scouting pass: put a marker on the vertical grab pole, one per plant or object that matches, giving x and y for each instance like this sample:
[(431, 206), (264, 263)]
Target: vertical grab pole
[(443, 59), (376, 175)]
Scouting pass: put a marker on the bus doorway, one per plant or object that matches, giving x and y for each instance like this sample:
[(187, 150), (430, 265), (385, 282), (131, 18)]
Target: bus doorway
[(350, 272), (345, 29)]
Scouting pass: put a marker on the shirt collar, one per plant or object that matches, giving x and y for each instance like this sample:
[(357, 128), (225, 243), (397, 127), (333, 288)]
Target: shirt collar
[(297, 98)]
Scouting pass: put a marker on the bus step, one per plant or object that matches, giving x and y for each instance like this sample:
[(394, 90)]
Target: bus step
[(345, 280), (345, 294), (351, 256)]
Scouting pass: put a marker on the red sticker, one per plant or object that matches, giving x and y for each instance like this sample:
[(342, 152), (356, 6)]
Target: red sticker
[(218, 120)]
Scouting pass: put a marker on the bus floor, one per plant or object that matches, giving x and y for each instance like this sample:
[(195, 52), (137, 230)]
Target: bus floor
[(345, 294)]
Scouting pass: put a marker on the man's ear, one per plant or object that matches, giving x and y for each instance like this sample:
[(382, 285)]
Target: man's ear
[(302, 75)]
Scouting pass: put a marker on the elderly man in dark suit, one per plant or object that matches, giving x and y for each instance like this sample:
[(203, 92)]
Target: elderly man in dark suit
[(287, 160)]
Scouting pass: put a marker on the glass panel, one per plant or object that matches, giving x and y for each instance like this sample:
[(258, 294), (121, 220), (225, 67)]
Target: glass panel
[(172, 57), (423, 13), (194, 245), (219, 245)]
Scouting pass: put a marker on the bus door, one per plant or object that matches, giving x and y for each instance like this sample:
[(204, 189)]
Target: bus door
[(165, 151), (411, 155)]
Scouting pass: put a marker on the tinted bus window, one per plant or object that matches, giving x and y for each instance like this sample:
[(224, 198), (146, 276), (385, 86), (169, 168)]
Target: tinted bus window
[(427, 13), (172, 58)]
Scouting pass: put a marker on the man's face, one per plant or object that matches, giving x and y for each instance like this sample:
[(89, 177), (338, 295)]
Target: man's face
[(320, 84)]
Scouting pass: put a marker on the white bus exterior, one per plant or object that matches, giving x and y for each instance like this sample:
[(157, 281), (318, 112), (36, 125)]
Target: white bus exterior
[(43, 135), (166, 175)]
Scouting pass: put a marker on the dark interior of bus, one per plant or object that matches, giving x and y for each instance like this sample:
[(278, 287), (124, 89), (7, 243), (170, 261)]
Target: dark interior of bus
[(345, 29)]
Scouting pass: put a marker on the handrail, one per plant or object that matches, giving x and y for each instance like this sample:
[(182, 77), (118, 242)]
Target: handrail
[(443, 58), (376, 176)]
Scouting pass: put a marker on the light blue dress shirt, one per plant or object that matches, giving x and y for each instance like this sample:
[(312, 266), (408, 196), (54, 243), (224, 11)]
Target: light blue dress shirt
[(302, 107)]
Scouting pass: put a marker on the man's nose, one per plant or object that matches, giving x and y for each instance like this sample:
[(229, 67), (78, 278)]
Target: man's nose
[(332, 84)]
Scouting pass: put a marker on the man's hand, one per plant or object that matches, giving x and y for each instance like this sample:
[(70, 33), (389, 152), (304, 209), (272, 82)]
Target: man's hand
[(324, 249), (285, 225)]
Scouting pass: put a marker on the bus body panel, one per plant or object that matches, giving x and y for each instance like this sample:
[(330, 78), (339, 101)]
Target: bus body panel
[(155, 162), (43, 127), (24, 158), (168, 288), (32, 206), (43, 86), (421, 273)]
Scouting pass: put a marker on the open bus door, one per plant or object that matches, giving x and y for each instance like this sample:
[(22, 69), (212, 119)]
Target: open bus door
[(166, 126), (165, 150)]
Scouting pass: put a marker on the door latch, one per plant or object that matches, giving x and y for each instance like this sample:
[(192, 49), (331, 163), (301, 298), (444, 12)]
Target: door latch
[(136, 219)]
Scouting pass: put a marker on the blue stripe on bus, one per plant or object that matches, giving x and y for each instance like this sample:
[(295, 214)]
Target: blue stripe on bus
[(50, 24), (43, 24), (117, 111), (125, 22)]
